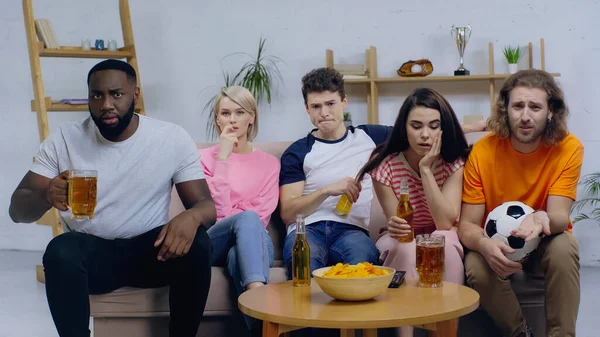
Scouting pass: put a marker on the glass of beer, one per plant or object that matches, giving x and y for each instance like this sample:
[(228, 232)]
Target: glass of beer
[(343, 206), (82, 193), (430, 259)]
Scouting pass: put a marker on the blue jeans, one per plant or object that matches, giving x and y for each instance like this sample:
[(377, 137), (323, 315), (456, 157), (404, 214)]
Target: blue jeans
[(332, 242), (242, 242)]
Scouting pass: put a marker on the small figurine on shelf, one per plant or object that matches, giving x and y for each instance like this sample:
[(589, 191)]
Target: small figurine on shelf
[(422, 67), (86, 44), (112, 45), (99, 44)]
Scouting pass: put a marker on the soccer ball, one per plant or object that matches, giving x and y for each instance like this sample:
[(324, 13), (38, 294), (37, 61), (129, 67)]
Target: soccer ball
[(502, 220)]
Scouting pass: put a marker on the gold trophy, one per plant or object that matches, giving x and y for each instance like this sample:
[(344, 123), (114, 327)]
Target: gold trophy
[(461, 35)]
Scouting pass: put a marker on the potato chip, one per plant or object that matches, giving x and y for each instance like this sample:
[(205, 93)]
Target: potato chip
[(363, 269)]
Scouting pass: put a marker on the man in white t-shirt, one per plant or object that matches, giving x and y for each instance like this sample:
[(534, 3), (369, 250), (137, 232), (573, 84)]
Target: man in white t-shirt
[(319, 168), (129, 241)]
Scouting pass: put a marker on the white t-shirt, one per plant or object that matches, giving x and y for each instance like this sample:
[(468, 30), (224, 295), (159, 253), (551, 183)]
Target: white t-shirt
[(320, 162), (135, 176)]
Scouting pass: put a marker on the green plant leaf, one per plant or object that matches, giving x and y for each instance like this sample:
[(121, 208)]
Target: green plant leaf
[(591, 184), (512, 54), (260, 75), (581, 203), (580, 217)]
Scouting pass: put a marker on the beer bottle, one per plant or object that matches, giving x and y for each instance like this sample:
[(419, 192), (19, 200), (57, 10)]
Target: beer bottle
[(405, 211), (300, 255)]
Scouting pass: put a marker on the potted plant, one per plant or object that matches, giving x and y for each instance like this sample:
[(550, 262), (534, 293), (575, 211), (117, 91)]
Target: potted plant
[(347, 119), (259, 75), (591, 183), (513, 55)]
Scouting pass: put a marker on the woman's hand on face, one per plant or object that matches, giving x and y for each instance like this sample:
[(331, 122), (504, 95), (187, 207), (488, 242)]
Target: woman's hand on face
[(228, 141), (433, 154)]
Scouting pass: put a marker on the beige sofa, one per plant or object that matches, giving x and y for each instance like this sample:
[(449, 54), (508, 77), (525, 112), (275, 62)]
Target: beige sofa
[(144, 312)]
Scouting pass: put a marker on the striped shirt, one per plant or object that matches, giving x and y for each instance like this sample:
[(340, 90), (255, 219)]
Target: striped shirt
[(394, 168)]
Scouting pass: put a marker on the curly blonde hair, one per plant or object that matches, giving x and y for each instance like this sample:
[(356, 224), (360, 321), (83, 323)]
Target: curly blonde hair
[(242, 97), (556, 128)]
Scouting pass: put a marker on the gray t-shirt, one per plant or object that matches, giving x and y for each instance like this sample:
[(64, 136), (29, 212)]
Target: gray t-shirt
[(135, 176)]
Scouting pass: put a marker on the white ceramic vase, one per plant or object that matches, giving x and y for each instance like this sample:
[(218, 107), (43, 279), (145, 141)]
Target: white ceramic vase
[(513, 68)]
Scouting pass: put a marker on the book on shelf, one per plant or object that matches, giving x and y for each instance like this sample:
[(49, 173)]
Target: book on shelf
[(45, 33), (73, 101), (351, 77), (351, 69)]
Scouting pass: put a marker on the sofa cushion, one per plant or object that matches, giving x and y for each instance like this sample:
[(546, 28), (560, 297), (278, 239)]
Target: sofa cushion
[(134, 302)]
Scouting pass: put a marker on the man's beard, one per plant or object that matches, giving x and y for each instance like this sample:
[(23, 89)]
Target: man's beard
[(113, 131), (527, 139)]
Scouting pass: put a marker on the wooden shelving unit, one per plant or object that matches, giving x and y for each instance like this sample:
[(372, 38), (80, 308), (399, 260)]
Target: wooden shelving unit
[(53, 105), (42, 104), (372, 81), (77, 52)]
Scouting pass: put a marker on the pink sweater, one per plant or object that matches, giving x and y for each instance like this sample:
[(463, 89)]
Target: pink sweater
[(245, 182)]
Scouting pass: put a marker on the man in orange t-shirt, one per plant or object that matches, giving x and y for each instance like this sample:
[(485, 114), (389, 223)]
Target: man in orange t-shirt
[(529, 157)]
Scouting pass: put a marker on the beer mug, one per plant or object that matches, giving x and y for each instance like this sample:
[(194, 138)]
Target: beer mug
[(82, 193), (430, 259)]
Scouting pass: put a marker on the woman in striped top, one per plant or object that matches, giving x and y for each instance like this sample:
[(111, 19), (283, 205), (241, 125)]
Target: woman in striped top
[(427, 147)]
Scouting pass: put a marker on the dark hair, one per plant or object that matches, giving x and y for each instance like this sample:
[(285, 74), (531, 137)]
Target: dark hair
[(454, 143), (112, 64), (323, 79), (556, 129)]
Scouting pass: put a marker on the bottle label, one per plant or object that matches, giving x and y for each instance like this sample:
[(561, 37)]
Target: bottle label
[(404, 186)]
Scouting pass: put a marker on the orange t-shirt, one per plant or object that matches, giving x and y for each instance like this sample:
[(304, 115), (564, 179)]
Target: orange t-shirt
[(496, 173)]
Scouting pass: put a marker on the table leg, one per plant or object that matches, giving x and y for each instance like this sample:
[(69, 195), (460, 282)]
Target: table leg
[(270, 329), (444, 329), (369, 332), (275, 330), (346, 332)]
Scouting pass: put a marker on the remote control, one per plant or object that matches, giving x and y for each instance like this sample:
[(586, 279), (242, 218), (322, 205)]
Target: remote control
[(397, 280)]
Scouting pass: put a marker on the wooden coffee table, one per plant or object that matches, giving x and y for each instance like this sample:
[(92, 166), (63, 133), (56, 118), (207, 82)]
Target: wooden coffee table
[(284, 308)]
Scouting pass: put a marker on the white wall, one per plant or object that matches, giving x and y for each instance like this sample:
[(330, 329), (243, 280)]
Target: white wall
[(180, 44)]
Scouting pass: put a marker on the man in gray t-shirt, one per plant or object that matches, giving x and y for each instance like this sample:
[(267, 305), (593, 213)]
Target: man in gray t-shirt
[(130, 240)]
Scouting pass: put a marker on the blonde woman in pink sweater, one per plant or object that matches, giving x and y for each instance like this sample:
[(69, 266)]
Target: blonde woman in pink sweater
[(244, 184)]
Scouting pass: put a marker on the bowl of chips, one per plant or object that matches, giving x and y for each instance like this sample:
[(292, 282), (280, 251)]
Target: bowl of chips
[(359, 282)]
